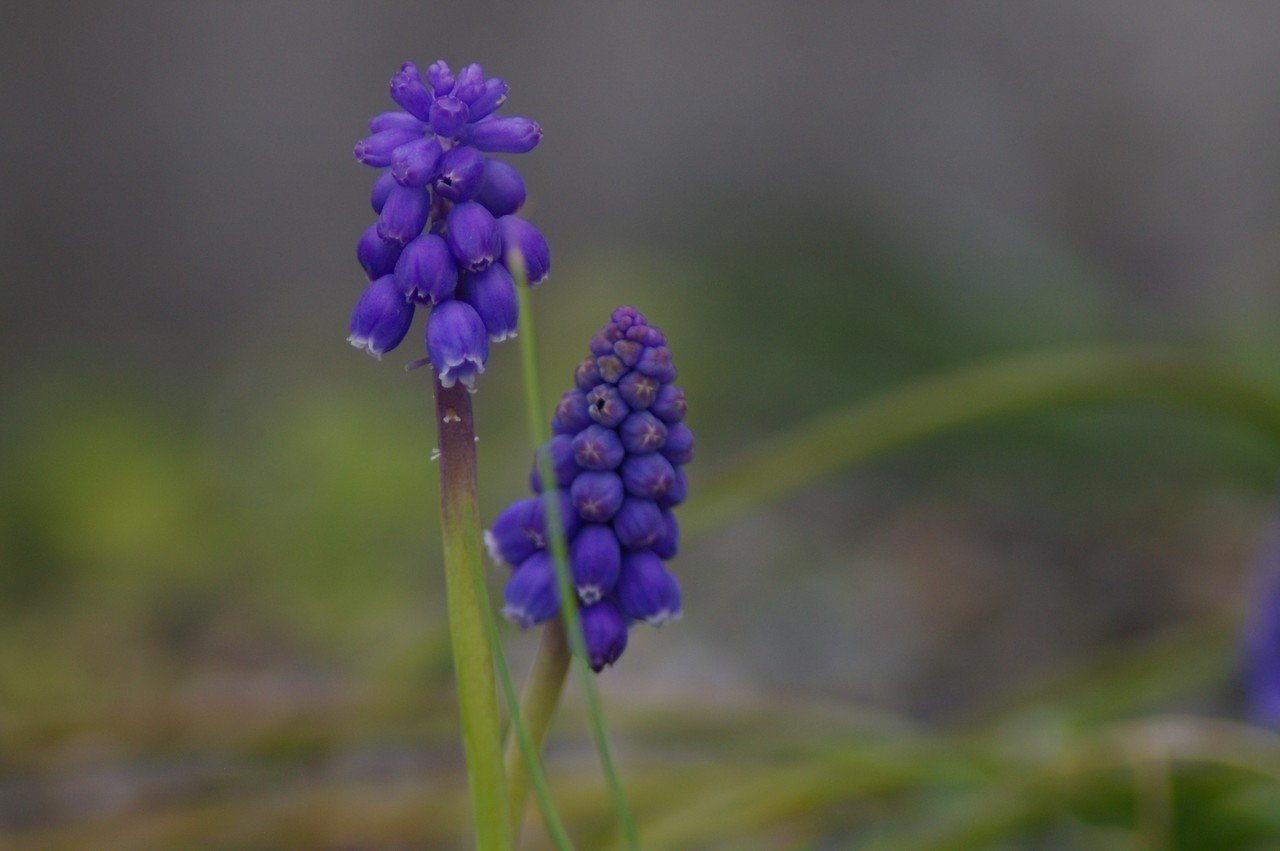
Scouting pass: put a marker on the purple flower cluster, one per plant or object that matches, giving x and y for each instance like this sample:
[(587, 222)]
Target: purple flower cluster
[(1261, 636), (616, 458), (446, 231)]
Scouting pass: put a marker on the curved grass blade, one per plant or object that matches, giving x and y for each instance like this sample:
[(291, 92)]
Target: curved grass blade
[(847, 437), (556, 544), (528, 751)]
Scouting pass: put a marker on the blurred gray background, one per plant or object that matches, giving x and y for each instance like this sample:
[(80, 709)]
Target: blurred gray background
[(176, 180)]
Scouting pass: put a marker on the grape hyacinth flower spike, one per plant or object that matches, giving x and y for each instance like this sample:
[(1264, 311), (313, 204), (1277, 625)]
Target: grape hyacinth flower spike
[(619, 444), (446, 219)]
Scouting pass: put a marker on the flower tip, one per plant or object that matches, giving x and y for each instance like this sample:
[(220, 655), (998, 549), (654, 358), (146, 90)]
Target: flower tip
[(451, 375), (518, 616), (491, 546), (657, 619), (365, 344), (504, 335)]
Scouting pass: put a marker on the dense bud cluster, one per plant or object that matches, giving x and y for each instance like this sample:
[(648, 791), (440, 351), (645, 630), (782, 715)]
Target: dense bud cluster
[(616, 455), (446, 234)]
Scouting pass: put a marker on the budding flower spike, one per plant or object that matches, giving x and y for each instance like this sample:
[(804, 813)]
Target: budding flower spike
[(446, 219), (616, 456)]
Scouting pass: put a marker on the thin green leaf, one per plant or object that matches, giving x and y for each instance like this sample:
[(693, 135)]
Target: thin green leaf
[(568, 599), (847, 437)]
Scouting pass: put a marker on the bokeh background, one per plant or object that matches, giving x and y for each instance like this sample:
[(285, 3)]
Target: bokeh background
[(221, 613)]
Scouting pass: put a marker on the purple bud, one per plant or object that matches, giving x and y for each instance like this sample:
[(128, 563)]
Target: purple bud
[(605, 405), (376, 150), (649, 475), (595, 558), (381, 318), (668, 541), (521, 528), (448, 117), (563, 467), (646, 335), (597, 495), (514, 536), (626, 317), (505, 135), (628, 351), (612, 369), (669, 404), (569, 520), (404, 214), (600, 344), (605, 632), (495, 93), (416, 163), (638, 390), (656, 362), (440, 77), (493, 294), (426, 271), (523, 239), (470, 83), (381, 189), (646, 591), (473, 235), (408, 91), (643, 432), (502, 190), (456, 342), (396, 120), (530, 595), (377, 256), (676, 492), (587, 375), (571, 414), (679, 446), (461, 173), (597, 448), (638, 523)]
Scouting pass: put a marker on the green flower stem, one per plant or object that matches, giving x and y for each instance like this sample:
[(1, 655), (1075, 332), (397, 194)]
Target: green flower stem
[(537, 707), (556, 545), (527, 751), (472, 659)]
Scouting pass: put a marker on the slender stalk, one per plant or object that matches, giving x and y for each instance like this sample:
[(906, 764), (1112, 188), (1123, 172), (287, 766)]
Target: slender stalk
[(568, 599), (526, 752), (537, 706), (467, 605)]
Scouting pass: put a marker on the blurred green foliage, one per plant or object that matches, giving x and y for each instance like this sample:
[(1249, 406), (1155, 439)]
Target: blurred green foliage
[(221, 621)]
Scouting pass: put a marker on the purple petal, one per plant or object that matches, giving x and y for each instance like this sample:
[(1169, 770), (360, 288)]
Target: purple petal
[(524, 240), (502, 189), (493, 294), (456, 342), (408, 91), (505, 135), (426, 271), (381, 318), (473, 235)]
